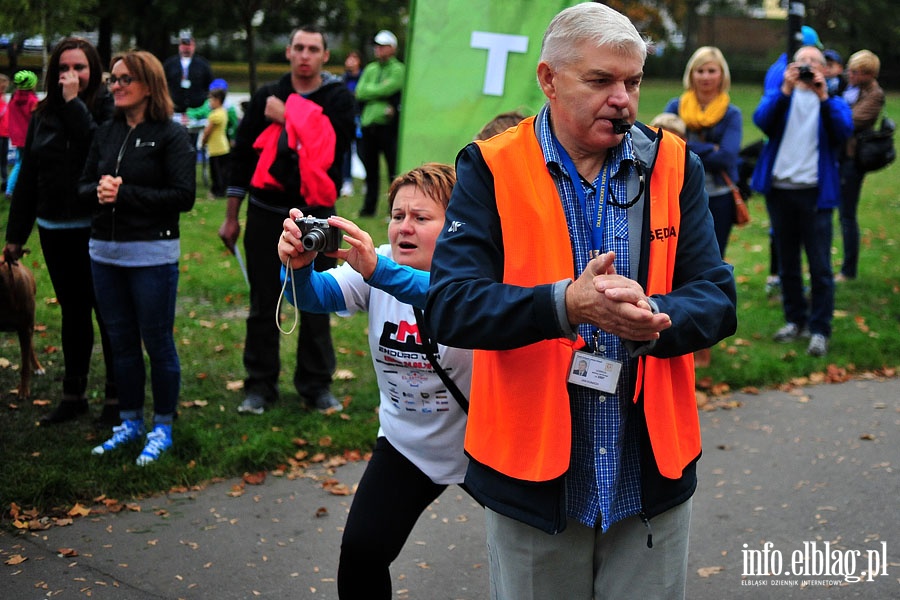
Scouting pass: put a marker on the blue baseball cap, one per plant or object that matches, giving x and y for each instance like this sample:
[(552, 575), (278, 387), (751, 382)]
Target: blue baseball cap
[(810, 37), (833, 56), (218, 84)]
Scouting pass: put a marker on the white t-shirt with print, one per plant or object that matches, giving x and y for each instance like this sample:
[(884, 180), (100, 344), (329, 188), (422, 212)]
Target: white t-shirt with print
[(418, 415)]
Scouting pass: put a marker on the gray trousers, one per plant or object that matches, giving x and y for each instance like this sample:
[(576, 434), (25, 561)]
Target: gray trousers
[(581, 563)]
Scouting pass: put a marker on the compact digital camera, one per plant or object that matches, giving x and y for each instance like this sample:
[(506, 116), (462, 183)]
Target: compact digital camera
[(805, 73), (317, 235)]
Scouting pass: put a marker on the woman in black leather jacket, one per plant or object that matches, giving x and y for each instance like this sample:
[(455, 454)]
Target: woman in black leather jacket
[(140, 174), (59, 136)]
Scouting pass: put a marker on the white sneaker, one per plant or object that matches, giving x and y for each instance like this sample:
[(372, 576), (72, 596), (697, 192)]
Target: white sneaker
[(818, 345), (347, 189), (158, 441), (790, 332)]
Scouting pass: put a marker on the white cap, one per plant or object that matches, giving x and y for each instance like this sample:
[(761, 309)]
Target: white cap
[(386, 38)]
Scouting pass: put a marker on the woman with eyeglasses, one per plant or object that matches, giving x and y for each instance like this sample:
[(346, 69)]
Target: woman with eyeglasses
[(59, 136), (139, 176)]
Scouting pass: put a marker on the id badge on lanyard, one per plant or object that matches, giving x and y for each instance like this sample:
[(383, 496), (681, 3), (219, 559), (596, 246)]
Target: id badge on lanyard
[(594, 370)]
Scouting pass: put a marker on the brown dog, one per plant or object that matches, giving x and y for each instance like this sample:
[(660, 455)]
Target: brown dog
[(17, 292)]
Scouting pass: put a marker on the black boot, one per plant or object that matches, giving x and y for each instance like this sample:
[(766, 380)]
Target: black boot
[(66, 410)]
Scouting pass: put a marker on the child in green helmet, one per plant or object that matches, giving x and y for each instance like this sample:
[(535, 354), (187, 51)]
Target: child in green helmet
[(20, 106)]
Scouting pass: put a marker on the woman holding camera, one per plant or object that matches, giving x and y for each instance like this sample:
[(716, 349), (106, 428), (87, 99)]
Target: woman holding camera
[(139, 176), (419, 450), (59, 135)]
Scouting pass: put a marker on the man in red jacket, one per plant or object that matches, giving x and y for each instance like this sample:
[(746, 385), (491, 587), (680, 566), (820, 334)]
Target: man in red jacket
[(268, 207)]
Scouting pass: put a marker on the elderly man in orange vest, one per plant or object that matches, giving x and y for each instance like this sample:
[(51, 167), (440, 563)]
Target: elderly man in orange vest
[(583, 235)]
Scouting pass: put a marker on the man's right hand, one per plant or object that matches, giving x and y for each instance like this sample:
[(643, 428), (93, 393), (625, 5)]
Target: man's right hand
[(613, 303), (229, 233), (231, 227)]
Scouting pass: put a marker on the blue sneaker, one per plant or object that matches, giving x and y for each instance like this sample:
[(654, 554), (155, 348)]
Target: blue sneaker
[(158, 441), (129, 431)]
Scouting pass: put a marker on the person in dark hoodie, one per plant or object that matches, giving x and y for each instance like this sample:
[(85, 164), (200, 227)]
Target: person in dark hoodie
[(277, 179), (56, 145)]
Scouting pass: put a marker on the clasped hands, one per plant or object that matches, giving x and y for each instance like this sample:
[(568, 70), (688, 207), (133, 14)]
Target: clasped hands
[(108, 189), (360, 255), (613, 303)]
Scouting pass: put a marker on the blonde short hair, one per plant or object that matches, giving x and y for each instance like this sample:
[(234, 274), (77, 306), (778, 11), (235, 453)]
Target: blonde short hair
[(700, 57), (865, 61)]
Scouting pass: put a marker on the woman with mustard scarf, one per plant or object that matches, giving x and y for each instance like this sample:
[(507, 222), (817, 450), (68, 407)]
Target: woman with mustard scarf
[(714, 129)]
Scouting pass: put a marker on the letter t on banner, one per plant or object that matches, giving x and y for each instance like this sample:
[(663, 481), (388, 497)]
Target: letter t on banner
[(498, 45)]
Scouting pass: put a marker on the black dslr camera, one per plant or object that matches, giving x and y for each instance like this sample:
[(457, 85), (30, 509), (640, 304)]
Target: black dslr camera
[(805, 73), (317, 235)]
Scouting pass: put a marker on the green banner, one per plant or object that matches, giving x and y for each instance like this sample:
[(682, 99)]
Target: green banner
[(467, 61)]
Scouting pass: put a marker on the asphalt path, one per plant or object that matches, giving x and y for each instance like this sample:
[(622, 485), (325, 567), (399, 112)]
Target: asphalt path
[(798, 498)]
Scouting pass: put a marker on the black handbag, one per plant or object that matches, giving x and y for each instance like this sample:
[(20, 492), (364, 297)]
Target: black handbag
[(875, 147)]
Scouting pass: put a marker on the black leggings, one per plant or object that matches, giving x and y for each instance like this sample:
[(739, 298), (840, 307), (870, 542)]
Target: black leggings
[(69, 266), (391, 495)]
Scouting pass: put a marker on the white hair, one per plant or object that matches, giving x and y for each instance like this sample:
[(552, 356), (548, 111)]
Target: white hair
[(592, 21)]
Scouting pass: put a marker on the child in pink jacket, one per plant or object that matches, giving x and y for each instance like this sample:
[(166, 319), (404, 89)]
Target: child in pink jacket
[(19, 113)]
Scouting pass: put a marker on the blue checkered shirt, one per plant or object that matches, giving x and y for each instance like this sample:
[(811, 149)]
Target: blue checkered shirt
[(603, 483)]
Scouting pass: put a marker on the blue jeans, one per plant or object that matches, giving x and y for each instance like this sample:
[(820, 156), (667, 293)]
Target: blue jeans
[(138, 306), (798, 224), (851, 184)]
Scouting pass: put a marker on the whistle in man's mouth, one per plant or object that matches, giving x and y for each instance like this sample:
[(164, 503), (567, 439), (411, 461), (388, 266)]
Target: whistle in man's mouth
[(620, 125)]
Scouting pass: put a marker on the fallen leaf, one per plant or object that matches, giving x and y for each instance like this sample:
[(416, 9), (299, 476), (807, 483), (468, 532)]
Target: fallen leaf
[(344, 374), (340, 489), (79, 511), (66, 552), (707, 571), (234, 386), (258, 478), (321, 512), (16, 559)]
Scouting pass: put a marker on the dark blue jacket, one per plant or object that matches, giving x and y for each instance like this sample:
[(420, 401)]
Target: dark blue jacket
[(720, 144), (835, 127)]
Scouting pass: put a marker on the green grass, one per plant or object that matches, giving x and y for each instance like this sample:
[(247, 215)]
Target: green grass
[(51, 467)]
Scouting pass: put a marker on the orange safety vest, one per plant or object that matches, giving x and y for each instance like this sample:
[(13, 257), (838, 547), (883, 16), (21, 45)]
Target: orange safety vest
[(519, 418)]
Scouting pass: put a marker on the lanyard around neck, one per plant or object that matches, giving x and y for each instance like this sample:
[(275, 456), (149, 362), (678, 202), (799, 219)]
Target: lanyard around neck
[(594, 225)]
